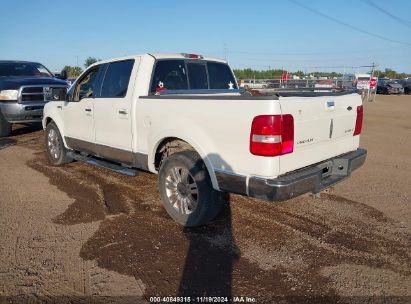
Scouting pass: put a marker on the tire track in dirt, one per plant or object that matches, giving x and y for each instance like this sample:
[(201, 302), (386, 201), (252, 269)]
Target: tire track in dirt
[(254, 248)]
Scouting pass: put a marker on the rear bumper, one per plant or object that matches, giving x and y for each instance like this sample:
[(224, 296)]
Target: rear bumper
[(310, 179), (395, 91), (15, 112)]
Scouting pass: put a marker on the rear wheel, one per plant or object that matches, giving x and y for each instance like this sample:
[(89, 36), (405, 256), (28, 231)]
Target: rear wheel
[(5, 126), (186, 190), (56, 151)]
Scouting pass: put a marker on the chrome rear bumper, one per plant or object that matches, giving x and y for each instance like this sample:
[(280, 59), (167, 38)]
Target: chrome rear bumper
[(313, 179)]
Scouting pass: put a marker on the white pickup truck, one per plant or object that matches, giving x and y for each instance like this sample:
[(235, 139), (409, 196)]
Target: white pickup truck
[(182, 116)]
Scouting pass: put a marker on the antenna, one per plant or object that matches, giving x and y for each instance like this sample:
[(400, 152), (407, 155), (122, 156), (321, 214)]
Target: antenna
[(225, 52)]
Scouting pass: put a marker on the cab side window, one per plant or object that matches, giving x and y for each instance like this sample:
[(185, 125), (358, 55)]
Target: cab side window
[(116, 79), (86, 87)]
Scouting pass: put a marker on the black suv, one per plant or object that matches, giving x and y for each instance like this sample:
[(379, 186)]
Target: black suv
[(25, 87)]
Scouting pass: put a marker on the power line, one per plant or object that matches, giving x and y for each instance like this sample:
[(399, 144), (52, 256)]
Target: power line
[(358, 51), (347, 24), (330, 52), (318, 67), (396, 18)]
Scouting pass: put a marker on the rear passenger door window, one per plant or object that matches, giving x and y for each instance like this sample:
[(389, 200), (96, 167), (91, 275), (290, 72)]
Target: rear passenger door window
[(116, 79)]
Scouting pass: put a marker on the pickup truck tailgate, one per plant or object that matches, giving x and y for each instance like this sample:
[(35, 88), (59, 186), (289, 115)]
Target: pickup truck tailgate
[(323, 128)]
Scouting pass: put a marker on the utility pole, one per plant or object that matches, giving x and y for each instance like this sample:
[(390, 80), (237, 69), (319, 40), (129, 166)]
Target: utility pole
[(369, 81)]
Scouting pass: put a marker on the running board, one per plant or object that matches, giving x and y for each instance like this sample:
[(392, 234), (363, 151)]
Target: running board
[(102, 164)]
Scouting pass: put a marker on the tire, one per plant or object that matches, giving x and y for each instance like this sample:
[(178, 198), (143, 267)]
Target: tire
[(186, 190), (5, 126), (55, 149)]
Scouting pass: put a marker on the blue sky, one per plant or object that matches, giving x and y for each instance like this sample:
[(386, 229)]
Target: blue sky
[(256, 34)]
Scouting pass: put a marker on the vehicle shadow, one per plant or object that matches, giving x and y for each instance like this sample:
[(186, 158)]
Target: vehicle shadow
[(6, 142), (212, 252), (20, 129), (208, 267)]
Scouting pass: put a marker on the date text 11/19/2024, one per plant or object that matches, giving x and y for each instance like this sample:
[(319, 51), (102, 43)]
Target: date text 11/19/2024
[(198, 299)]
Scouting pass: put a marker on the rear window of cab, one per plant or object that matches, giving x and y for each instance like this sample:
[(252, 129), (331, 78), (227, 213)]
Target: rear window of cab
[(191, 75)]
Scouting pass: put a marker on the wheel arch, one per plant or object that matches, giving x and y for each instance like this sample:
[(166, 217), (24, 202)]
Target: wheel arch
[(47, 120), (178, 144)]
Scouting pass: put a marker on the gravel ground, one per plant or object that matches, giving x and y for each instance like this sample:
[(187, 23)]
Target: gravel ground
[(83, 234)]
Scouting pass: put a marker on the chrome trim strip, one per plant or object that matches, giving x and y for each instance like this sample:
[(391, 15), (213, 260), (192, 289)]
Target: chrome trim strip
[(80, 145), (135, 160), (211, 97), (204, 91)]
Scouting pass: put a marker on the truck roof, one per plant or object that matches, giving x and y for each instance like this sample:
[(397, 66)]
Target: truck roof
[(161, 56), (17, 61)]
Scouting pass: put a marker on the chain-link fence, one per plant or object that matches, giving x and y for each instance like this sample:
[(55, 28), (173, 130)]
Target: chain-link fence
[(269, 86)]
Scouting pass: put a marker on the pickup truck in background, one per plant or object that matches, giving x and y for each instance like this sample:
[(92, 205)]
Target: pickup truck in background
[(25, 88), (253, 84), (183, 117)]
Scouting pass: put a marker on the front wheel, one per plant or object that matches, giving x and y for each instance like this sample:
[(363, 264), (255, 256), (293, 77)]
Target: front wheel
[(56, 151), (186, 190)]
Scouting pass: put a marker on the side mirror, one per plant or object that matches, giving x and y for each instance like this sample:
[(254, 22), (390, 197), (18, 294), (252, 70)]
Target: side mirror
[(57, 94)]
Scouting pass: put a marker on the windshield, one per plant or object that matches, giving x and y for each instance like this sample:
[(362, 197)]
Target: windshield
[(23, 69), (178, 74)]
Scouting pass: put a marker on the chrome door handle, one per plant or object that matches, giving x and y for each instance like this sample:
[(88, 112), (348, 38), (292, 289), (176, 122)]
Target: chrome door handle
[(122, 111)]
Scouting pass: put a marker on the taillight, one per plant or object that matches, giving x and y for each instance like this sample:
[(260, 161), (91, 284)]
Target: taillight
[(272, 135), (358, 122)]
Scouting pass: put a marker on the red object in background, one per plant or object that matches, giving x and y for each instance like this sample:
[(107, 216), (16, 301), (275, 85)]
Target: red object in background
[(160, 89), (325, 81), (373, 82), (284, 76)]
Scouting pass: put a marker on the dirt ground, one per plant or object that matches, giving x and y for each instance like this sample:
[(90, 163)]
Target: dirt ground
[(80, 234)]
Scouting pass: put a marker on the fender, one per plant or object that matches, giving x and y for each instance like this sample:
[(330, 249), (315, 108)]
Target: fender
[(180, 134), (51, 111)]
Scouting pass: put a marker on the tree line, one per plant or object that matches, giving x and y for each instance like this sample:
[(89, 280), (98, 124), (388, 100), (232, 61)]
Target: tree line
[(75, 71), (389, 73), (276, 73)]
